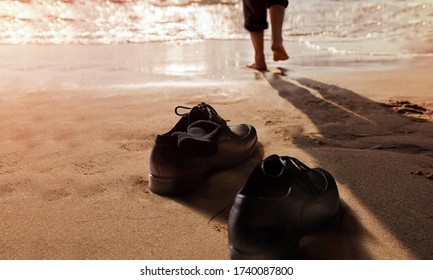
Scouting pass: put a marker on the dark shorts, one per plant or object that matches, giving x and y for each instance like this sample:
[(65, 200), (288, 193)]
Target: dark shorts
[(255, 13)]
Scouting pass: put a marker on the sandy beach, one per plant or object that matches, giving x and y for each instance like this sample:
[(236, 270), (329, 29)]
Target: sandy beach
[(78, 122)]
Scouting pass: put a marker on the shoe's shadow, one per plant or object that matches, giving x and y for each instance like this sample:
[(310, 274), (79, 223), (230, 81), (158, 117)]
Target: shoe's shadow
[(214, 197), (375, 152), (339, 242)]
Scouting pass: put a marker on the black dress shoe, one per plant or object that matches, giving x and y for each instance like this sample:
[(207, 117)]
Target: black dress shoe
[(201, 141), (282, 200)]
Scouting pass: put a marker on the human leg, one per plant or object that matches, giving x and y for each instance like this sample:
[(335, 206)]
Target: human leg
[(276, 14), (259, 53), (255, 14)]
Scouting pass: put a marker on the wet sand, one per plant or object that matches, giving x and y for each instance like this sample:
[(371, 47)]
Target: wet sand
[(78, 123)]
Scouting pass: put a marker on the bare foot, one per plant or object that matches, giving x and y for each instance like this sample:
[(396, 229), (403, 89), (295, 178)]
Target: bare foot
[(257, 66), (259, 62), (279, 52)]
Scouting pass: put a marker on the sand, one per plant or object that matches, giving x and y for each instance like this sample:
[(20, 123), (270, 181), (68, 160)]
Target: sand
[(78, 122)]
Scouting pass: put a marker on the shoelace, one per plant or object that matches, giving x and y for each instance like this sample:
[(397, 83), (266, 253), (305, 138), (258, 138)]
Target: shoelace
[(201, 107), (295, 167)]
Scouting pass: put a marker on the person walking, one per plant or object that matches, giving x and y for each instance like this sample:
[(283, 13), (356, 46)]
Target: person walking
[(255, 14)]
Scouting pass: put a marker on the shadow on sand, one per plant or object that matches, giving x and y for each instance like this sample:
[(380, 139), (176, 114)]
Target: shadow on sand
[(215, 196), (374, 151)]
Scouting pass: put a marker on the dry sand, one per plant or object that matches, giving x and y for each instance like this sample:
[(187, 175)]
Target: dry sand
[(76, 132)]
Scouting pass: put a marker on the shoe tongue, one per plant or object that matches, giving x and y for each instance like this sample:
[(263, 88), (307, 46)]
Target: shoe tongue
[(199, 139), (313, 180), (272, 166), (198, 114)]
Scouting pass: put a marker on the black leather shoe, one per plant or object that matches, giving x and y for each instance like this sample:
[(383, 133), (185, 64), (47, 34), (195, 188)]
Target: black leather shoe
[(282, 200), (201, 141)]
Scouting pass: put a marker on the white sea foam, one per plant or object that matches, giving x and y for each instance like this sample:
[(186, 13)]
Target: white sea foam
[(136, 21)]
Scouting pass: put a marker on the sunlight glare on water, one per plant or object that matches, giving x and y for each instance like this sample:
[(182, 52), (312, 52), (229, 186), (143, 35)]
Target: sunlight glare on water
[(98, 21), (310, 22)]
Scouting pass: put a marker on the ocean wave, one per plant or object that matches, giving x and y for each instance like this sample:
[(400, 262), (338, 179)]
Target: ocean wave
[(116, 21), (138, 21)]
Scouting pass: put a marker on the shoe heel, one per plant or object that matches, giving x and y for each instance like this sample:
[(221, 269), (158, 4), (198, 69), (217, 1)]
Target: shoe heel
[(173, 186), (254, 234)]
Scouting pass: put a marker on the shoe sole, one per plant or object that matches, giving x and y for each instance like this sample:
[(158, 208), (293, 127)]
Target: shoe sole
[(287, 252)]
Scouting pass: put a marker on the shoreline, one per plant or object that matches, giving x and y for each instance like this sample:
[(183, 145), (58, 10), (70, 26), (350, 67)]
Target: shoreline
[(87, 66), (78, 129)]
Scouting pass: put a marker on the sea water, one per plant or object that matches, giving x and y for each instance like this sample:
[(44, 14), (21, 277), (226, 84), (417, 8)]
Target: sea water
[(315, 23), (78, 44)]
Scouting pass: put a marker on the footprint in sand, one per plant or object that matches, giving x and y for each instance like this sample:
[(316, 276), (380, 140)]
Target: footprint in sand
[(425, 174), (139, 181), (56, 194), (140, 184), (8, 166), (5, 190), (136, 146), (272, 117), (92, 191), (98, 164), (413, 111), (220, 228)]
